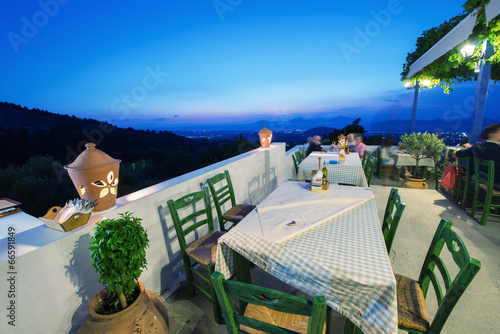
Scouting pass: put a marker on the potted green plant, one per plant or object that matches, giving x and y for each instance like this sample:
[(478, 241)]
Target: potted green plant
[(421, 146), (118, 252)]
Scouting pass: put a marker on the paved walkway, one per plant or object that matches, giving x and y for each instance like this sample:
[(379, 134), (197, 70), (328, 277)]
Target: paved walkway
[(477, 310)]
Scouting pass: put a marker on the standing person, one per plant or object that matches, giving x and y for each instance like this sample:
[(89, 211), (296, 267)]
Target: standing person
[(360, 146), (487, 150), (315, 146)]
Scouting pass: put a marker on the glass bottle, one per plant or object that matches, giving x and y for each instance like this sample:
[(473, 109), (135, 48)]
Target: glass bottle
[(324, 183), (342, 156)]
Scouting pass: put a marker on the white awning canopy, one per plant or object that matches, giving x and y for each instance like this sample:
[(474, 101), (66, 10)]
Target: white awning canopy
[(492, 10), (456, 36)]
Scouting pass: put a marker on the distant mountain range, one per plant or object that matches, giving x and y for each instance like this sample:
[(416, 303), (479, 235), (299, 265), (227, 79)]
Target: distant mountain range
[(304, 123), (15, 116)]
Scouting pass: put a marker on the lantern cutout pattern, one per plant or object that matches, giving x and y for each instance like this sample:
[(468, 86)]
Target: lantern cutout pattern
[(95, 176), (265, 137)]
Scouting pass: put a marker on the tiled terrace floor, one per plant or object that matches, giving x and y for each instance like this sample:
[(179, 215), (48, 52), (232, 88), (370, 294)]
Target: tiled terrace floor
[(476, 312)]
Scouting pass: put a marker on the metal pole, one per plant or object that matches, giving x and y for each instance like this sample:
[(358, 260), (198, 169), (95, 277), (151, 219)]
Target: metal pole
[(481, 95), (414, 110)]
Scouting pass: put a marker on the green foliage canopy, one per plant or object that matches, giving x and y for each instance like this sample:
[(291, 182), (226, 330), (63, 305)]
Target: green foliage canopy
[(422, 146), (118, 252), (452, 66)]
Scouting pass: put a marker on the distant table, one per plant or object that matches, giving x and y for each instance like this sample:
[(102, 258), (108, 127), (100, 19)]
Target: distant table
[(404, 159), (350, 172), (335, 249)]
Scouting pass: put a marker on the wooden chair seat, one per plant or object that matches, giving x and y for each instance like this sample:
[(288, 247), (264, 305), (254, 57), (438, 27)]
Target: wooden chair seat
[(484, 186), (294, 322), (412, 309), (265, 310), (238, 212), (203, 250)]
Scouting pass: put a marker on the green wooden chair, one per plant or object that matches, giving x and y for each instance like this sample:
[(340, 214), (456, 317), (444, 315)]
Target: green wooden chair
[(392, 217), (464, 180), (289, 314), (298, 156), (370, 164), (302, 154), (485, 178), (438, 173), (412, 310), (296, 159), (221, 189), (197, 211), (365, 157)]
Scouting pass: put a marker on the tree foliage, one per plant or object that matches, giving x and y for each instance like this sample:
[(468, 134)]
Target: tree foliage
[(422, 146), (354, 127), (452, 66), (118, 252)]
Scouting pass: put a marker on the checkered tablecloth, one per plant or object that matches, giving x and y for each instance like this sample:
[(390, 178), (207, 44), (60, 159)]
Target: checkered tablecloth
[(404, 159), (350, 172), (343, 259)]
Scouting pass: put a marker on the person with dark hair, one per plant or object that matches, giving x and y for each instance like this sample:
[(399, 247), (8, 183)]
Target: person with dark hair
[(315, 146), (487, 150), (360, 146), (464, 142)]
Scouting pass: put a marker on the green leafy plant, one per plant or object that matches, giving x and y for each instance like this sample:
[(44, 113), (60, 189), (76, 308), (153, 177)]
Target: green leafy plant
[(452, 66), (118, 251), (422, 145)]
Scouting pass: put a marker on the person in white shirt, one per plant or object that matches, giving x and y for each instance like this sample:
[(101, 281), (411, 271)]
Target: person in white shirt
[(350, 142)]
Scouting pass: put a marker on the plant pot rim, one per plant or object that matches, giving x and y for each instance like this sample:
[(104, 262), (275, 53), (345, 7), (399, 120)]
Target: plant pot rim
[(106, 317), (416, 178)]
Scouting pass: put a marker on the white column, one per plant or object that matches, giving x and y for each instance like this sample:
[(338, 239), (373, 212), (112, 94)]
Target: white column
[(481, 94), (414, 109)]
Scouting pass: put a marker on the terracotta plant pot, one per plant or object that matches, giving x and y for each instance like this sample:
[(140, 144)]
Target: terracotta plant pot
[(147, 314), (415, 183), (95, 176)]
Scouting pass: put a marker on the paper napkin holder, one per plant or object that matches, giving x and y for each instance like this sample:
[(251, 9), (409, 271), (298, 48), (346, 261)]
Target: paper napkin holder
[(316, 185), (76, 220)]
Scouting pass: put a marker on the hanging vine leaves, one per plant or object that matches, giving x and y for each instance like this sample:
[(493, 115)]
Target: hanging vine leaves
[(453, 67)]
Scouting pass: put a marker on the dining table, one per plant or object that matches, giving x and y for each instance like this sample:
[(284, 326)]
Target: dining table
[(326, 243), (350, 172)]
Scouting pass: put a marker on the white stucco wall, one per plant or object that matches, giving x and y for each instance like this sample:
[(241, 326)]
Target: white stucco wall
[(54, 281)]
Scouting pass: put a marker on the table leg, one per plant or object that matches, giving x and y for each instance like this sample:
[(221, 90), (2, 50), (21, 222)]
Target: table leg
[(350, 328), (242, 270)]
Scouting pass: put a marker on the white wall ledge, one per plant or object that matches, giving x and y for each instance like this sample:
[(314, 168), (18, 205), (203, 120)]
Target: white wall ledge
[(55, 281)]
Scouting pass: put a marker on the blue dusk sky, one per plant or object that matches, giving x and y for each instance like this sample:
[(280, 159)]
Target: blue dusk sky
[(177, 62)]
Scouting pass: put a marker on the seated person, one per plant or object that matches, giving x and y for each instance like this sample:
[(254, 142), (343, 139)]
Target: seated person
[(360, 146), (387, 153), (309, 141), (315, 146), (488, 150), (464, 143), (350, 142)]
